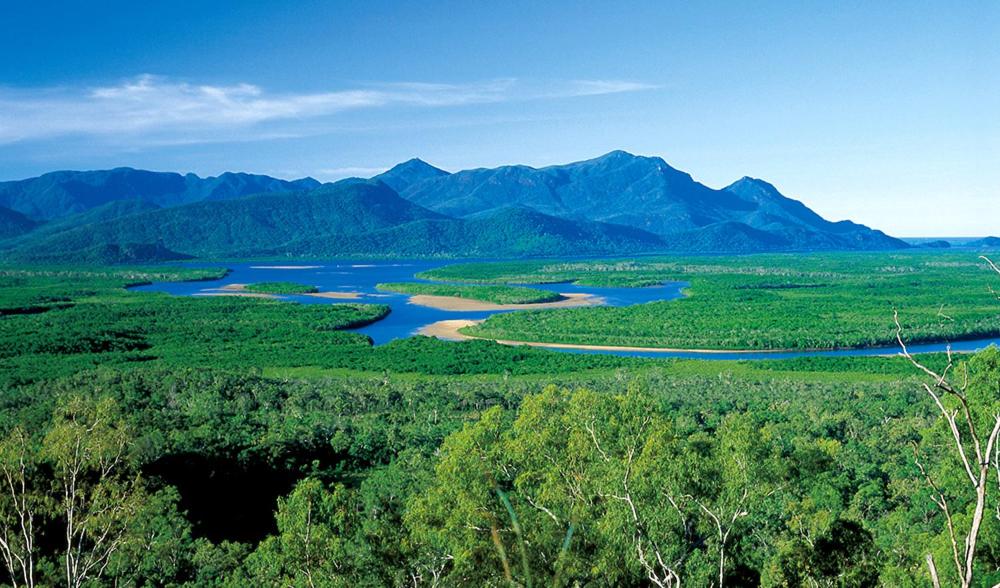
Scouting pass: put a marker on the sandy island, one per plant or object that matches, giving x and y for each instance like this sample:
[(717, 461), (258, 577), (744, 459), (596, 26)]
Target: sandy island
[(334, 295), (241, 290), (465, 304), (233, 290), (448, 330), (239, 294), (286, 267)]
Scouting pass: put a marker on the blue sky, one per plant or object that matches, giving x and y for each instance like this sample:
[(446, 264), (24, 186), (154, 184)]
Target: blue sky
[(887, 113)]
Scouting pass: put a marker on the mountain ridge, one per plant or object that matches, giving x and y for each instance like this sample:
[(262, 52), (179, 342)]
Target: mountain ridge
[(617, 203), (641, 192), (61, 193)]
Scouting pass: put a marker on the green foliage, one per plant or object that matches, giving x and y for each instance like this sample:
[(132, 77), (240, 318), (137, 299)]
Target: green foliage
[(759, 302), (844, 557), (75, 475), (58, 323), (281, 288), (650, 494), (411, 462), (313, 546), (494, 294)]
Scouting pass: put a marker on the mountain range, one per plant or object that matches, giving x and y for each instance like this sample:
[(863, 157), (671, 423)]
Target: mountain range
[(615, 204), (58, 194)]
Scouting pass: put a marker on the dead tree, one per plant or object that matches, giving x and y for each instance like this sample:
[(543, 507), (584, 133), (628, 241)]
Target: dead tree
[(978, 455)]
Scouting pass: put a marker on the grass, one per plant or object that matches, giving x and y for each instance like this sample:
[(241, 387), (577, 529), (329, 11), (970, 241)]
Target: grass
[(496, 294)]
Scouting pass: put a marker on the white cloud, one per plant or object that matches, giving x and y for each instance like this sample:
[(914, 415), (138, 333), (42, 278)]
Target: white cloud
[(156, 110), (598, 87)]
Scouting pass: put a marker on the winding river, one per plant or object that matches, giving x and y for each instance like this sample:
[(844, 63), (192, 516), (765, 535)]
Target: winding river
[(405, 320)]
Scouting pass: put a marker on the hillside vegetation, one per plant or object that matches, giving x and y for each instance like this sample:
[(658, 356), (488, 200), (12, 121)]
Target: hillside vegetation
[(615, 204), (509, 232), (13, 223), (644, 193), (253, 225), (62, 193)]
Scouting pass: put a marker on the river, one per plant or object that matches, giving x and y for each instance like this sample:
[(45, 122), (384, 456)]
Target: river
[(406, 319)]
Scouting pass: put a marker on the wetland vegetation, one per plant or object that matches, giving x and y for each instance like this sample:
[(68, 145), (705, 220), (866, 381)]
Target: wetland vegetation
[(499, 294), (263, 442), (827, 301), (281, 288)]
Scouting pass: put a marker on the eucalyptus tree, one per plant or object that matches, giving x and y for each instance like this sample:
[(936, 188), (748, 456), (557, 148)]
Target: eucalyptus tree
[(77, 477), (21, 507), (967, 396), (605, 488)]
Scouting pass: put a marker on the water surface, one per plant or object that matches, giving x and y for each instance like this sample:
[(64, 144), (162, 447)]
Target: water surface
[(406, 319)]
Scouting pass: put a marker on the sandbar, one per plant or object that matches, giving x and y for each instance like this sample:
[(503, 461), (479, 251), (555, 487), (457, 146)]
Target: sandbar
[(455, 303), (335, 295), (448, 330), (286, 267), (240, 290), (236, 293), (233, 290)]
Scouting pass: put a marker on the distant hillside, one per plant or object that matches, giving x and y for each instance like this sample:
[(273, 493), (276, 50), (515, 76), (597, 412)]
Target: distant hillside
[(985, 243), (640, 192), (242, 226), (106, 254), (62, 193), (13, 223), (615, 204), (934, 244), (509, 232), (408, 173)]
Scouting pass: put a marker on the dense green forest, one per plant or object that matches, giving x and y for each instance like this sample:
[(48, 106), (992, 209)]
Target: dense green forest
[(757, 302), (150, 440), (494, 294), (281, 288)]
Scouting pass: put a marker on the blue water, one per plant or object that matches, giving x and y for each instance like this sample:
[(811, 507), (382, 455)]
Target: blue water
[(406, 319)]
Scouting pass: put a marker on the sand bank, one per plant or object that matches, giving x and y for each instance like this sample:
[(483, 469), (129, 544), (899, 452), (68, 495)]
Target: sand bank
[(448, 330), (233, 290), (335, 295), (285, 267), (236, 293), (464, 304), (241, 290)]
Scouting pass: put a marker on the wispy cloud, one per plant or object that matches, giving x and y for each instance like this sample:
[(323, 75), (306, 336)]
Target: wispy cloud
[(156, 110), (598, 87)]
